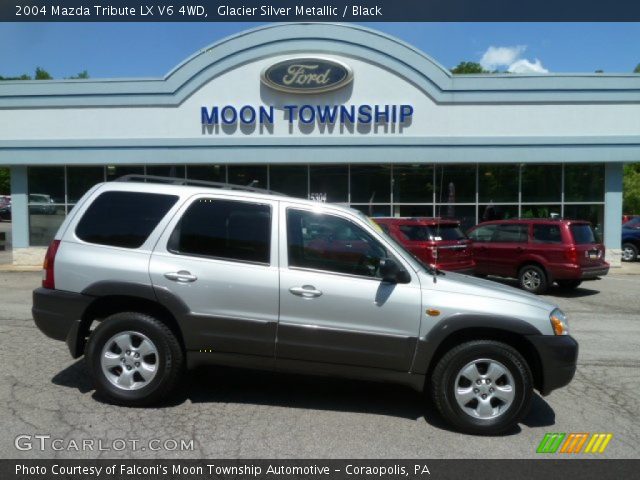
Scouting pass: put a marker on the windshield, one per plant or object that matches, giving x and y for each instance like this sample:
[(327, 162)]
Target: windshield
[(633, 223), (423, 233), (417, 262), (582, 234)]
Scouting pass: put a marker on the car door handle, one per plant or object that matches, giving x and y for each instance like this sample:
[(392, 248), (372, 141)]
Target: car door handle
[(182, 276), (519, 249), (306, 291)]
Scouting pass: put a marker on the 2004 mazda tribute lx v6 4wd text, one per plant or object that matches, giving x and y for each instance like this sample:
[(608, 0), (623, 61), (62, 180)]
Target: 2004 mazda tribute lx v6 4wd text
[(148, 276)]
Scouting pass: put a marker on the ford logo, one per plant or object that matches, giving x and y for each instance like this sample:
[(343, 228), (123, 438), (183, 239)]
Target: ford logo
[(307, 75)]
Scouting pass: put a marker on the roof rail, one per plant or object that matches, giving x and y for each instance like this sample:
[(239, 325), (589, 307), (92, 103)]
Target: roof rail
[(187, 182)]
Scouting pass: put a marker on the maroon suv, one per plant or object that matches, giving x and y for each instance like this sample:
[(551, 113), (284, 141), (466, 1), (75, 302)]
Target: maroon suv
[(538, 252), (427, 237)]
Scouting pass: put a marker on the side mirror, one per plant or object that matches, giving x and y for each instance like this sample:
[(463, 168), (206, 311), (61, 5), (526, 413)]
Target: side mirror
[(392, 272)]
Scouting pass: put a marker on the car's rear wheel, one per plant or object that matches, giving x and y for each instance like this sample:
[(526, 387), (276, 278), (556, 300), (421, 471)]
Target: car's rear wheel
[(482, 387), (533, 279), (569, 284), (135, 359), (629, 252)]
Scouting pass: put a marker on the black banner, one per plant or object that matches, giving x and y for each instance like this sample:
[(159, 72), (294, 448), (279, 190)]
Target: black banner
[(324, 10), (315, 469)]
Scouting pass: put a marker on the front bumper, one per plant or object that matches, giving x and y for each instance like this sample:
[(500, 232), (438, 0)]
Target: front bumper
[(558, 358), (58, 315)]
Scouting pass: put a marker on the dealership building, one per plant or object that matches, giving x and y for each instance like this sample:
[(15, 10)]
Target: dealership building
[(337, 113)]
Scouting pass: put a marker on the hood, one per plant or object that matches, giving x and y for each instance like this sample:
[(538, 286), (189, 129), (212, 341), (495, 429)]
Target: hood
[(468, 285)]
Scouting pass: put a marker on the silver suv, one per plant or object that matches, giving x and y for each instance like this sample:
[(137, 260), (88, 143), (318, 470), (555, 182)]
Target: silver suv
[(148, 276)]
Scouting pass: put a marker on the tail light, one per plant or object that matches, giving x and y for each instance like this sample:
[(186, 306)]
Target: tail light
[(571, 254), (48, 280)]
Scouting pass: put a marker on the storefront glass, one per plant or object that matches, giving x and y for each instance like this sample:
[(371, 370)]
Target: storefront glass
[(376, 190)]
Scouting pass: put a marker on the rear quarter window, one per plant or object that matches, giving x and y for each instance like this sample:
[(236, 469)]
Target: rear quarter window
[(582, 234), (547, 234), (123, 219)]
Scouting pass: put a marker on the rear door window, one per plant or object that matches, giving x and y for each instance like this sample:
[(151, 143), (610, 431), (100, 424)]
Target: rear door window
[(582, 233), (222, 229), (483, 234), (547, 234), (515, 233), (123, 219)]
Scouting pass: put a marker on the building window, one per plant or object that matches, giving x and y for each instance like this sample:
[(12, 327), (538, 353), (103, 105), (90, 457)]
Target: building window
[(116, 171), (47, 203), (374, 210), (249, 175), (541, 211), (208, 173), (584, 182), (493, 211), (80, 180), (177, 171), (413, 183), (291, 180), (591, 213), (329, 183), (370, 183), (455, 183), (542, 183), (413, 211), (498, 183), (465, 213)]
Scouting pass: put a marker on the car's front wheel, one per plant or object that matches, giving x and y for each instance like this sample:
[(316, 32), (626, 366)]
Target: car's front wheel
[(482, 387), (134, 358), (629, 252)]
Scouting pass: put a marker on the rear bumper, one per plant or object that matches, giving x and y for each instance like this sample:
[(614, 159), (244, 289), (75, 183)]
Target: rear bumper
[(58, 315), (592, 273), (558, 358), (576, 272)]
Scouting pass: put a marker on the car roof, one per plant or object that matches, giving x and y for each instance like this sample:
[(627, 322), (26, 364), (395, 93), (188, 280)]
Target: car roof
[(547, 221), (424, 221)]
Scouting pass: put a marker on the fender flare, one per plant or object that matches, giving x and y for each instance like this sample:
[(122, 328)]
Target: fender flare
[(429, 344)]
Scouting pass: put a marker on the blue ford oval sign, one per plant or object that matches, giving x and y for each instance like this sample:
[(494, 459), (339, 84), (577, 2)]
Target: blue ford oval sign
[(306, 75)]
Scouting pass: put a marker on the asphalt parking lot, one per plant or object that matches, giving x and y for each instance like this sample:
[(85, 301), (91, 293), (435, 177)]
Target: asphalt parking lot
[(238, 414)]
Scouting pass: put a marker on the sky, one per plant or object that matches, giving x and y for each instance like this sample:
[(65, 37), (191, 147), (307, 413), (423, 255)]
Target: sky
[(121, 50)]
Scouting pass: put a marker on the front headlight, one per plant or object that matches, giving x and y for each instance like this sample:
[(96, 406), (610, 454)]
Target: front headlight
[(559, 322)]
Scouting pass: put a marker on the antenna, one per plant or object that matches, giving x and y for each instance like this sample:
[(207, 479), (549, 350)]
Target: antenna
[(438, 213)]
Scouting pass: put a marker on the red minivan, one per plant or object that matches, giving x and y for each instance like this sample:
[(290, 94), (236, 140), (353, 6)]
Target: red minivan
[(538, 252), (427, 237)]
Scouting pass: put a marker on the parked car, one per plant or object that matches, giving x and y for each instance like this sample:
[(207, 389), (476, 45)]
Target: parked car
[(631, 240), (539, 252), (626, 218), (5, 207), (427, 237), (145, 279), (41, 204)]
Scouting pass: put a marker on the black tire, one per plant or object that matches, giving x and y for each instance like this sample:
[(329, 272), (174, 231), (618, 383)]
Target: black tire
[(480, 275), (629, 252), (537, 286), (443, 385), (170, 358), (569, 284)]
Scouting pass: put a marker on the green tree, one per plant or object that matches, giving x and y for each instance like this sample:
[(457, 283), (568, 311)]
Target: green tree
[(637, 69), (42, 74), (5, 181), (468, 67), (80, 76), (631, 189)]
